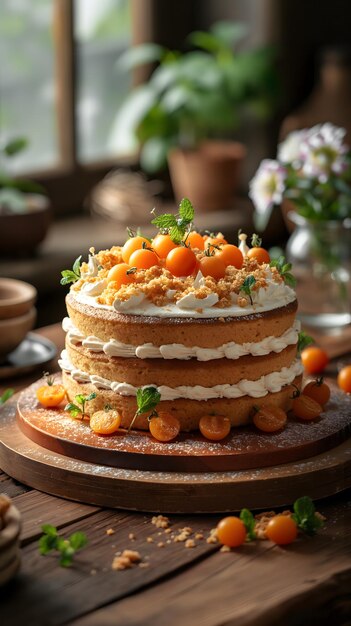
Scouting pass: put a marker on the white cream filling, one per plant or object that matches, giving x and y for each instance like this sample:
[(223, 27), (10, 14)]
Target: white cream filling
[(231, 350), (270, 383)]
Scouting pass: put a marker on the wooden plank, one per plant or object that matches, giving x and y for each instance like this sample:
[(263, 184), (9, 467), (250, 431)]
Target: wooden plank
[(39, 508), (11, 487), (50, 595), (292, 585)]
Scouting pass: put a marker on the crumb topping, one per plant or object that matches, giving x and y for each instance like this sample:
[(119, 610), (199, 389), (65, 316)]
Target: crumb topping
[(161, 287)]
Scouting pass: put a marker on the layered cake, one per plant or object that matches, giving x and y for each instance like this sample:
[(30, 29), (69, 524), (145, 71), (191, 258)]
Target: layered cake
[(217, 339)]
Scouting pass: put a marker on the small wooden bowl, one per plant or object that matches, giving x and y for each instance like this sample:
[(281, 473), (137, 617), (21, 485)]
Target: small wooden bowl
[(10, 556), (14, 330), (16, 297)]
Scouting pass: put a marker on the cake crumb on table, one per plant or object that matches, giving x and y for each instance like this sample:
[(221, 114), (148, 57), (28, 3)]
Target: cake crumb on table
[(126, 560), (110, 531), (225, 549), (160, 521), (190, 543), (212, 538), (160, 544), (131, 536), (149, 540), (199, 536)]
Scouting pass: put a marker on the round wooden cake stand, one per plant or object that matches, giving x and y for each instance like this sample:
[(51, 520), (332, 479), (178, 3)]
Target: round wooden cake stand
[(205, 491)]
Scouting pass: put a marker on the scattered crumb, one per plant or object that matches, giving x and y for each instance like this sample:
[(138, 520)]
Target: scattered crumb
[(190, 543), (92, 572), (160, 544), (212, 538), (199, 536), (131, 536), (160, 521), (225, 549), (110, 531), (168, 531), (144, 564), (149, 540), (168, 541), (126, 560)]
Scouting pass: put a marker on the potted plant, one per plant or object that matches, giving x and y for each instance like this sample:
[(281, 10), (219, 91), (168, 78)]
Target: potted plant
[(312, 174), (24, 209), (191, 106)]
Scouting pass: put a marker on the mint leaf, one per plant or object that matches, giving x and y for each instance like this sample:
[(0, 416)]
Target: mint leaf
[(304, 340), (249, 521), (8, 393), (186, 210), (176, 233), (284, 270), (305, 515), (71, 276), (247, 285), (50, 530), (147, 399), (78, 540), (90, 397), (73, 409), (165, 221)]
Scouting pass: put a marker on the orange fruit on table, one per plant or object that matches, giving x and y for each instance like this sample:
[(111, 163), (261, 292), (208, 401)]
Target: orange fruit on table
[(231, 255), (105, 422), (132, 244), (181, 261), (195, 240), (344, 379), (306, 408), (214, 242), (212, 266), (259, 254), (231, 532), (164, 427), (269, 418), (51, 395), (214, 427), (318, 391), (162, 245), (143, 259), (118, 274), (314, 359), (282, 530)]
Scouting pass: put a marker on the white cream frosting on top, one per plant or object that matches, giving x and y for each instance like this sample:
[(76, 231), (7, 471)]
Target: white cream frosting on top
[(231, 350)]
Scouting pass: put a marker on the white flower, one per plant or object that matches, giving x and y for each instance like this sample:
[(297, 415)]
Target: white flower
[(267, 186), (322, 151), (289, 151)]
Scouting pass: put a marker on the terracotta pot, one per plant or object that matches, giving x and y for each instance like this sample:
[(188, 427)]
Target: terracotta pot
[(207, 176), (21, 233)]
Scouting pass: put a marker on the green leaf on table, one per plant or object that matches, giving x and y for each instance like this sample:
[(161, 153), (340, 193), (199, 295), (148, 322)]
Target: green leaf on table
[(249, 521), (305, 515), (78, 540), (7, 394), (66, 548)]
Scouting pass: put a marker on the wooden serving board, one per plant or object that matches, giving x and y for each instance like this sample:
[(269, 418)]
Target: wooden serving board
[(168, 492), (244, 448)]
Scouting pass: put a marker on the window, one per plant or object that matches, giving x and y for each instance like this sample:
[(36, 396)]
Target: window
[(59, 82)]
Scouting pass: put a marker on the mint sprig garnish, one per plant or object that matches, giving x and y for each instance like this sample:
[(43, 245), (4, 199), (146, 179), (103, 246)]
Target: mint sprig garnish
[(305, 515), (249, 521), (147, 399), (7, 394), (78, 409), (247, 286), (176, 225), (71, 276), (303, 341), (256, 241), (284, 270), (66, 548)]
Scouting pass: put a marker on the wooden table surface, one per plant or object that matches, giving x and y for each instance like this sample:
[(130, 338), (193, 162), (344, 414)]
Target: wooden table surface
[(260, 584)]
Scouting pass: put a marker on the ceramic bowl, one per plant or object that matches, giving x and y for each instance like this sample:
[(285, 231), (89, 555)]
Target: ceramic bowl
[(16, 297), (10, 544), (21, 233), (14, 330)]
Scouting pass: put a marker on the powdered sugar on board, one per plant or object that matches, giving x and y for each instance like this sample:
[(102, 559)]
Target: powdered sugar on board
[(244, 448)]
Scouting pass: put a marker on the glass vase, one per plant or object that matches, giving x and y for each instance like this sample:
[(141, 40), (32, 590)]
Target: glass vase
[(321, 256)]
